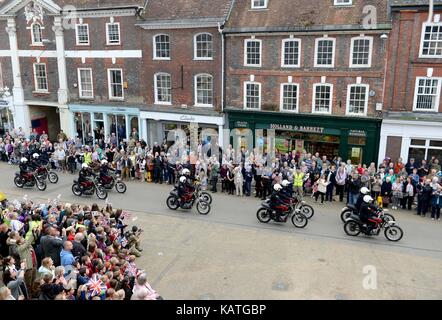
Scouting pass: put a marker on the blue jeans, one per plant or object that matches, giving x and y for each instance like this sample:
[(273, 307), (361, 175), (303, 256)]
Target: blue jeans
[(353, 198)]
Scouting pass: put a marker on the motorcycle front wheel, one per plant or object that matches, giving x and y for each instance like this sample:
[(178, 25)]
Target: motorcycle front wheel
[(299, 220), (120, 187), (172, 203), (101, 193), (76, 190), (388, 217), (41, 185), (203, 207), (53, 177), (206, 197), (345, 215), (393, 233), (307, 211), (264, 215), (352, 228), (19, 182)]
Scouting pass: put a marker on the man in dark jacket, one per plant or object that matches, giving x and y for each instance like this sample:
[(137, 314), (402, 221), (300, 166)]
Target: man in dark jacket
[(411, 164), (50, 288), (51, 245), (424, 192), (78, 249)]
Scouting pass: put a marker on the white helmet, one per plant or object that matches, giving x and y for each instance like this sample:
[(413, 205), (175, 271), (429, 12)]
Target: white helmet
[(285, 183), (186, 171), (183, 179), (364, 190), (23, 160), (277, 187), (35, 155), (85, 165), (104, 162), (368, 199)]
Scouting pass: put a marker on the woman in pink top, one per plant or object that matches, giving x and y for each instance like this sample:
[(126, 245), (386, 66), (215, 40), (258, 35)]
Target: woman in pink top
[(143, 291)]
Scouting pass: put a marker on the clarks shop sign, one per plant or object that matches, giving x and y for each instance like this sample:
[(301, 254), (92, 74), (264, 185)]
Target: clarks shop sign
[(289, 127)]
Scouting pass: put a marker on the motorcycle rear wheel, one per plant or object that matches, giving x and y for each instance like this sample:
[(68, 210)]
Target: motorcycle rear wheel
[(19, 182), (203, 207), (120, 187), (264, 215), (388, 217), (352, 228), (76, 190), (101, 193), (393, 233), (172, 203), (299, 220)]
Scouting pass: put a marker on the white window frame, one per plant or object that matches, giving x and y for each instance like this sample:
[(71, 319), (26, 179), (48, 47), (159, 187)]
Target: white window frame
[(110, 85), (156, 89), (347, 109), (421, 49), (107, 34), (196, 91), (416, 86), (314, 98), (46, 78), (370, 52), (245, 95), (281, 98), (154, 46), (33, 36), (77, 34), (246, 41), (195, 51), (80, 87), (347, 3), (316, 65), (253, 6), (284, 41)]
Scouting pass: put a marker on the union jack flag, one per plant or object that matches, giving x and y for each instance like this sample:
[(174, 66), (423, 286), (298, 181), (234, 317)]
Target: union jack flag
[(125, 215), (123, 242), (96, 286), (53, 210), (132, 270)]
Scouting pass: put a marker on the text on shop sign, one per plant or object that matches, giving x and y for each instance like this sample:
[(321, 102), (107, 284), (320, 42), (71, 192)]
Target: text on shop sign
[(289, 127)]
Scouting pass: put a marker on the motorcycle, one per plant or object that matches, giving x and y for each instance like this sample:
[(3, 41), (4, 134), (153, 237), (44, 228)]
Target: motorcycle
[(265, 214), (78, 190), (350, 210), (44, 172), (21, 181), (202, 206), (354, 226), (203, 194), (112, 182), (298, 204)]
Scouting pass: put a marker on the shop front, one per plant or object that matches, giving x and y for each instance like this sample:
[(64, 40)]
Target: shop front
[(411, 139), (350, 138), (92, 123), (160, 126)]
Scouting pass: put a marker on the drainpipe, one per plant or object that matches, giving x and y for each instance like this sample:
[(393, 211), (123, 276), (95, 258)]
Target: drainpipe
[(220, 30), (430, 11)]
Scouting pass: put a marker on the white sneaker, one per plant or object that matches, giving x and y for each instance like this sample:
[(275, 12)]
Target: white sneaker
[(432, 219)]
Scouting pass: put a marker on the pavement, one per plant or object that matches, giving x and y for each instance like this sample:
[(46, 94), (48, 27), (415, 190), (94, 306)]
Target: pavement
[(229, 254)]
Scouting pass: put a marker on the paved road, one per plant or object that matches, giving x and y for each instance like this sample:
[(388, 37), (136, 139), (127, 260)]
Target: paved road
[(230, 255)]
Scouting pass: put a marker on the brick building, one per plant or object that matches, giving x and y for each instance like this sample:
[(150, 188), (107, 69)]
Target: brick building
[(314, 75), (72, 64), (412, 126), (182, 67)]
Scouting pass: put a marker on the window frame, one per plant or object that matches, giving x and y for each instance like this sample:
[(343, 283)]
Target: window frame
[(254, 7), (347, 108), (77, 34), (421, 45), (246, 41), (315, 85), (109, 84), (80, 95), (36, 89), (316, 65), (370, 52), (245, 95), (34, 43), (284, 41), (281, 97), (156, 101), (195, 91), (416, 87), (154, 46), (107, 34), (195, 47)]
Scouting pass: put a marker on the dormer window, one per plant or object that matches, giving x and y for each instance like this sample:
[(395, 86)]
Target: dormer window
[(37, 34), (259, 4)]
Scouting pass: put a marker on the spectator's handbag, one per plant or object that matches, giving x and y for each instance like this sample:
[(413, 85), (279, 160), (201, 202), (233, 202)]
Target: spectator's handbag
[(385, 200)]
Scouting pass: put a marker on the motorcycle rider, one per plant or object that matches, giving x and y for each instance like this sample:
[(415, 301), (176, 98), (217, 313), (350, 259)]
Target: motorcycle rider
[(368, 213), (185, 190), (277, 204), (104, 172), (35, 163), (83, 177), (362, 193), (25, 170), (286, 194)]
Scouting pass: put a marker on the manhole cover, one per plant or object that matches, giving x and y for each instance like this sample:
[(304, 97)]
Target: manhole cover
[(280, 286), (322, 260), (207, 296)]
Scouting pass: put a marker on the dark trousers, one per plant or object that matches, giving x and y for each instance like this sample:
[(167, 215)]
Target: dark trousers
[(265, 189), (258, 187), (157, 175), (422, 207), (408, 202), (329, 193), (340, 192), (214, 181), (171, 176), (72, 166), (248, 187), (317, 194), (435, 212)]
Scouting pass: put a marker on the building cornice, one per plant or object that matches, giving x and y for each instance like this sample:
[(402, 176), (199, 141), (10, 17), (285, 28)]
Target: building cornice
[(308, 30), (106, 12)]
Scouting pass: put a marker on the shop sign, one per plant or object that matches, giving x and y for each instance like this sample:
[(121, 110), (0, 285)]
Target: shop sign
[(289, 127), (357, 133), (355, 152), (187, 118), (241, 124), (3, 103)]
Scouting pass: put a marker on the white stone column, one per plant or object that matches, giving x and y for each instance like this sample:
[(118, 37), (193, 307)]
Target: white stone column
[(21, 110), (63, 91), (143, 133), (128, 130), (221, 136)]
